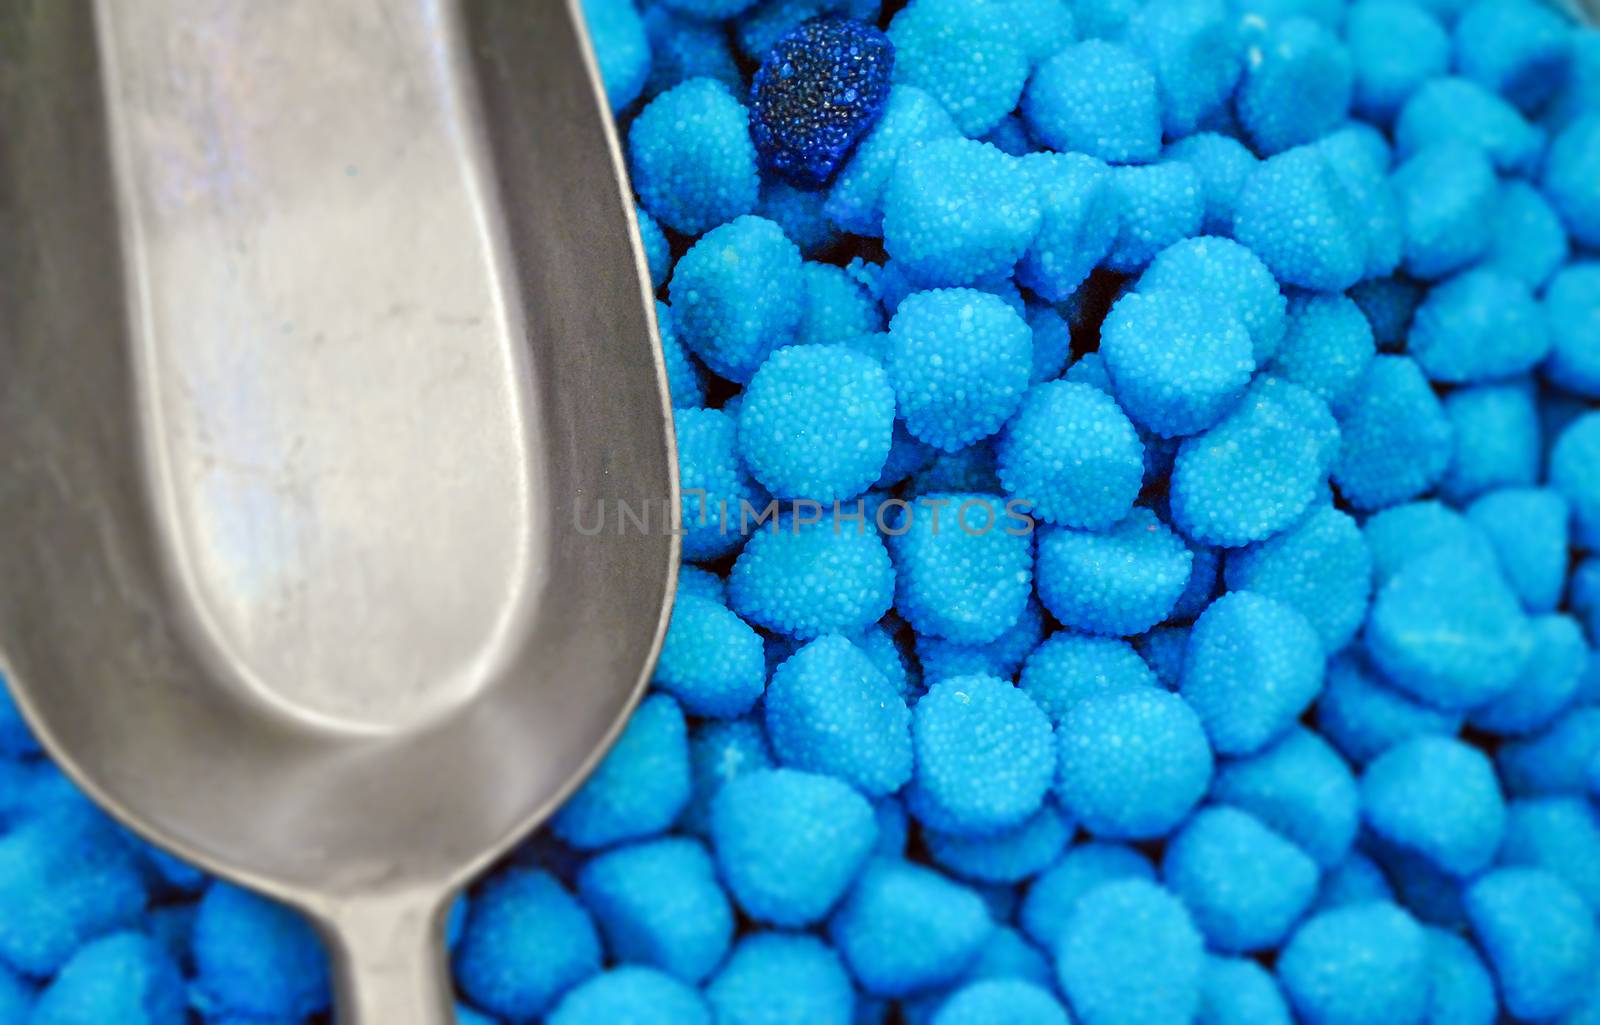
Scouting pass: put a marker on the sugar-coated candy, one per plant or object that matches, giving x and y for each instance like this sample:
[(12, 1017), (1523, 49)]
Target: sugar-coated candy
[(1517, 49), (621, 47), (640, 786), (985, 756), (717, 489), (1144, 786), (1460, 989), (1097, 98), (789, 843), (964, 56), (1437, 798), (1225, 272), (1527, 529), (1193, 48), (1554, 760), (1084, 867), (893, 900), (1539, 938), (1572, 310), (1394, 438), (1320, 567), (711, 660), (819, 89), (1497, 439), (1070, 666), (1559, 834), (1130, 955), (122, 979), (778, 976), (1326, 347), (1120, 582), (1457, 110), (1296, 213), (1573, 459), (1529, 243), (1300, 788), (910, 116), (957, 211), (1238, 991), (1363, 964), (1395, 48), (1252, 666), (1447, 193), (1222, 164), (1079, 215), (829, 710), (1244, 884), (659, 903), (1157, 205), (526, 942), (1571, 178), (804, 576), (1364, 716), (736, 295), (1259, 470), (1009, 856), (1072, 455), (1480, 325), (631, 995), (693, 163), (1007, 1001), (1177, 360), (959, 361), (963, 565), (1297, 86)]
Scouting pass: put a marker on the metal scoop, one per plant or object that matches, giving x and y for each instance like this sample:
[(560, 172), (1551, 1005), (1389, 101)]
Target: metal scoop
[(324, 341)]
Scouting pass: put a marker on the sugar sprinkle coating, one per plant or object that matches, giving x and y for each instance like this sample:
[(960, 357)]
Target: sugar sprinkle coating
[(1120, 582), (1072, 455), (691, 157), (1244, 884), (1144, 783), (1129, 953)]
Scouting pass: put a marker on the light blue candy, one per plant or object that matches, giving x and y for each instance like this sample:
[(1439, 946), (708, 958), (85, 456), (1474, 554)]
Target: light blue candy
[(894, 900), (1460, 989), (1146, 785), (121, 979), (1301, 789), (1554, 760), (720, 750), (1084, 867), (910, 116), (1447, 193), (1177, 360), (1070, 666), (659, 903), (1327, 346), (1129, 953), (784, 977), (693, 163), (1539, 937), (621, 48), (1008, 857), (789, 843), (807, 579), (526, 918), (1157, 205), (1012, 1001), (964, 56), (1394, 438), (711, 660), (1572, 461), (1072, 455), (1079, 215), (1365, 716), (1478, 326), (1527, 528), (1497, 442), (1227, 273), (957, 211), (628, 994), (1096, 98), (717, 489), (1121, 582), (1549, 682), (1298, 89), (1320, 567), (1395, 47), (829, 710), (1296, 213), (1237, 991), (1193, 48), (1223, 163), (1572, 309), (959, 361), (1365, 964), (1571, 171), (736, 295), (838, 308), (1244, 884), (1513, 47), (640, 786), (1559, 834), (1437, 798), (1458, 110), (979, 788)]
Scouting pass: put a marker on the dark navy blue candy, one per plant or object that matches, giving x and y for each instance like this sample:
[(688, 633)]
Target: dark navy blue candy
[(819, 90)]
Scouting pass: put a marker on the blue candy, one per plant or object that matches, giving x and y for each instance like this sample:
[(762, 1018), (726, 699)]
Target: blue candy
[(1297, 86), (1539, 937), (1388, 304), (1129, 955), (1447, 193), (1006, 857), (1299, 788), (1572, 309), (639, 788), (1178, 361), (659, 903), (1121, 582), (1237, 991), (830, 710), (1079, 214), (1559, 834), (1072, 455), (957, 212), (985, 756), (1320, 567), (1157, 205), (692, 160), (776, 977), (1480, 325), (1459, 111), (1437, 798), (1193, 48), (818, 91), (1365, 717), (1513, 47), (1571, 178), (1460, 990), (683, 47), (803, 579), (1253, 665), (1365, 964), (894, 900), (1224, 272), (1394, 439), (1256, 472), (959, 360), (965, 56), (1053, 896), (255, 958), (736, 295), (1096, 98), (1497, 441), (621, 48), (1144, 786), (1395, 47), (1327, 347), (718, 493), (1527, 528), (910, 117), (963, 564), (1070, 666), (711, 660), (1244, 884), (1572, 473), (816, 422), (789, 843), (1549, 682), (1296, 213), (1223, 163), (1555, 760), (1008, 1001), (631, 995), (121, 979)]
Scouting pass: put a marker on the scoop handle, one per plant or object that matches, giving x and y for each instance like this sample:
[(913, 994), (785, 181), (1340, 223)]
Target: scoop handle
[(389, 962)]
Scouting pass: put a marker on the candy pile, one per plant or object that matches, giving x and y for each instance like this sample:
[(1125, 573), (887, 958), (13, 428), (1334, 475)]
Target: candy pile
[(1142, 489)]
